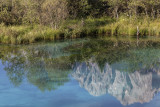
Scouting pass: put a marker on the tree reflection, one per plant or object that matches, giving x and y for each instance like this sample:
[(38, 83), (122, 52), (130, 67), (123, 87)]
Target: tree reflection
[(118, 51), (14, 64), (40, 64), (48, 75)]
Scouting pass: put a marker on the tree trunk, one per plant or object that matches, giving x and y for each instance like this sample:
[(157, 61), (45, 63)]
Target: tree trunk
[(153, 13), (146, 12), (116, 13), (55, 26), (135, 11), (158, 15)]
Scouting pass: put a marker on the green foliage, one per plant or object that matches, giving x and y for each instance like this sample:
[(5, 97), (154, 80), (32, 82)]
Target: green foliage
[(28, 21), (53, 12)]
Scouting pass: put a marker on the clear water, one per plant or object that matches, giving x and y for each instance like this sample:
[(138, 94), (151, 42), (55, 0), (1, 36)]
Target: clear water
[(81, 73)]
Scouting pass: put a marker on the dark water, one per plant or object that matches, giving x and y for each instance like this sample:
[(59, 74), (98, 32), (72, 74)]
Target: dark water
[(81, 73)]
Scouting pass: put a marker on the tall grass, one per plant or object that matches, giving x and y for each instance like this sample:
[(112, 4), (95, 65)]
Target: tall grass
[(128, 27), (26, 34), (125, 26)]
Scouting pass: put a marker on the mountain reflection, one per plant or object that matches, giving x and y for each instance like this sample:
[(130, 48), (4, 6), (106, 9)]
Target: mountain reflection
[(128, 88), (119, 68)]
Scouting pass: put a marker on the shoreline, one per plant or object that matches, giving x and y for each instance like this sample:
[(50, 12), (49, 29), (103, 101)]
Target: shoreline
[(71, 29)]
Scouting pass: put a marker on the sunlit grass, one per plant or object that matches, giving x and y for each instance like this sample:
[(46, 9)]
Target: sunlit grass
[(128, 27), (76, 28), (26, 34)]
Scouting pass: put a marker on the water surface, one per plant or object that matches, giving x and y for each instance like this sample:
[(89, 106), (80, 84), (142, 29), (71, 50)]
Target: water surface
[(81, 73)]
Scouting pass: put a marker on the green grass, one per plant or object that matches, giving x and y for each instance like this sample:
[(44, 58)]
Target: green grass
[(128, 27), (25, 34)]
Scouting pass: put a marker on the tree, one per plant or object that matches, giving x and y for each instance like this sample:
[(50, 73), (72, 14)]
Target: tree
[(152, 4), (54, 12), (98, 8), (78, 8), (116, 4), (133, 6)]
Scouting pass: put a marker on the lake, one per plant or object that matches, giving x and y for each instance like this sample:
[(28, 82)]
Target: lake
[(99, 72)]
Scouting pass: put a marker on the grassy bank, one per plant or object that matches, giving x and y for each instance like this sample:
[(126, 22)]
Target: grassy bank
[(24, 34), (128, 27)]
